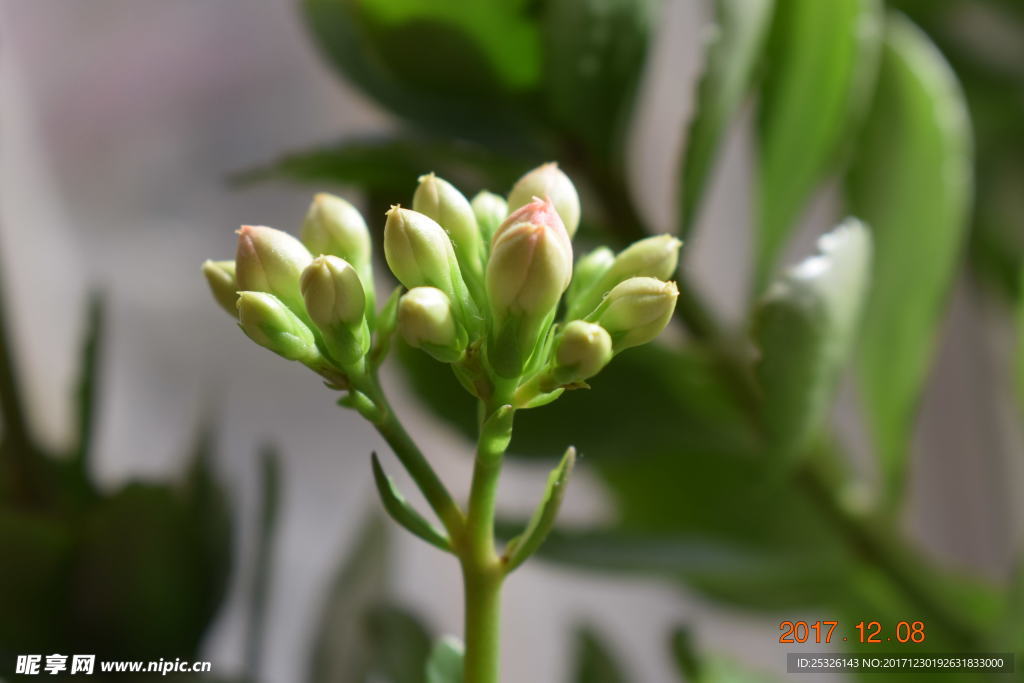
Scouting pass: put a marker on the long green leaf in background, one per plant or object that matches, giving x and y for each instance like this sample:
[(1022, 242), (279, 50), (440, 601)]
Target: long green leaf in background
[(820, 62), (450, 66), (1020, 344), (594, 54), (594, 661), (734, 48), (445, 662), (910, 181), (694, 667), (804, 327), (391, 164)]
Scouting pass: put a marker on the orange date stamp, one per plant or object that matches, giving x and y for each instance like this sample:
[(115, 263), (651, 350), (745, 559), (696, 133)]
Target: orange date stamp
[(864, 632)]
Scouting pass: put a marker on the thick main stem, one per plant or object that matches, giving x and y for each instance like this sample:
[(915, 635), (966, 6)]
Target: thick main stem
[(482, 567)]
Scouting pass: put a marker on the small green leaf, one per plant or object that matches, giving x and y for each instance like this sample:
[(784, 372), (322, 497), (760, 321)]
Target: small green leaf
[(390, 165), (594, 660), (684, 655), (539, 526), (911, 184), (821, 62), (445, 663), (403, 513), (734, 48), (387, 320), (595, 51), (804, 327)]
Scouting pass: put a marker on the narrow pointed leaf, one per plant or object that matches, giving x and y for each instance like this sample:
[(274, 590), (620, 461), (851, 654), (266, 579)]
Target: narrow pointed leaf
[(403, 513), (1020, 344), (820, 63), (911, 184), (385, 332), (544, 516), (445, 662), (804, 329), (734, 48), (269, 505)]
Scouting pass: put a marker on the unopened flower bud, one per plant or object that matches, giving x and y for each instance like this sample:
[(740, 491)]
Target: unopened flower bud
[(332, 292), (271, 261), (636, 311), (655, 257), (529, 269), (549, 182), (440, 200), (418, 251), (336, 303), (587, 271), (335, 227), (425, 321), (583, 350), (220, 275), (269, 323), (490, 210)]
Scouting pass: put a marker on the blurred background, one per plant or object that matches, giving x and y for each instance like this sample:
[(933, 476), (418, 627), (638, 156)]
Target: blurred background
[(120, 123)]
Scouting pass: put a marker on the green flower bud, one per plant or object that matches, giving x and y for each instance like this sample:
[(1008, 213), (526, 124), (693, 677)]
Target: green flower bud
[(438, 199), (490, 210), (332, 292), (335, 227), (269, 323), (418, 251), (336, 303), (529, 269), (548, 182), (426, 322), (655, 257), (220, 275), (636, 311), (271, 261), (583, 350), (587, 270)]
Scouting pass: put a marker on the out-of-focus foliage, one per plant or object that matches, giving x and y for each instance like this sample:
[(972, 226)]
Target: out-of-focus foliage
[(846, 91), (137, 572)]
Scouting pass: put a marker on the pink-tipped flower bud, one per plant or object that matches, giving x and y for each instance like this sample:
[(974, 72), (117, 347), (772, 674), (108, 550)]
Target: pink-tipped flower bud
[(426, 321), (271, 261), (529, 269), (271, 324), (440, 200), (490, 210), (636, 311), (549, 182), (583, 350), (220, 276), (655, 257)]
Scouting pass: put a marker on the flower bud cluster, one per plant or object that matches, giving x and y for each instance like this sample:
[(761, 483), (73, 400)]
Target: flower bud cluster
[(485, 283)]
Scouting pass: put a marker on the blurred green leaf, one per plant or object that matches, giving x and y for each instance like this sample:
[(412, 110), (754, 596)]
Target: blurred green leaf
[(342, 652), (821, 62), (911, 183), (684, 655), (400, 642), (733, 51), (543, 519), (701, 668), (391, 165), (445, 662), (403, 513), (268, 505), (804, 326), (595, 52), (1020, 343), (87, 389), (594, 662), (449, 66)]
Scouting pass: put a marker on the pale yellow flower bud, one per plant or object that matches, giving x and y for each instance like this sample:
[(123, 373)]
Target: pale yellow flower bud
[(271, 324), (549, 182), (636, 311), (271, 261), (220, 275)]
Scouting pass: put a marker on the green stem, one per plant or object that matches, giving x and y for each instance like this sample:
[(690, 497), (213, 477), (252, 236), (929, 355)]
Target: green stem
[(482, 568), (412, 459)]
